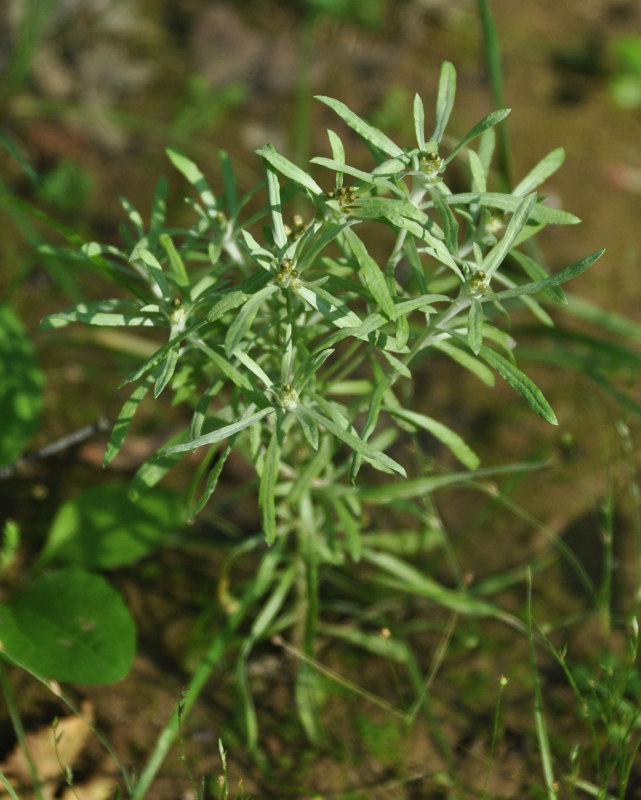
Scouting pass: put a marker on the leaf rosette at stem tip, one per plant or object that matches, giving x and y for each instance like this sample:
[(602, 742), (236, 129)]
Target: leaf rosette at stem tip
[(288, 340)]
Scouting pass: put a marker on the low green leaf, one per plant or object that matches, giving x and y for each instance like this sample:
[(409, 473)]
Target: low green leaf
[(520, 383), (416, 582), (103, 528), (21, 383), (71, 626), (362, 128)]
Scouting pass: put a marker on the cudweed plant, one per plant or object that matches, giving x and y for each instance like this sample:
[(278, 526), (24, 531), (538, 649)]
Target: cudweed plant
[(291, 343)]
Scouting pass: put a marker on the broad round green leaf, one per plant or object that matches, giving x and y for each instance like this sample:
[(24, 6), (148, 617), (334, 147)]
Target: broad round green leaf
[(21, 383), (103, 527), (69, 625)]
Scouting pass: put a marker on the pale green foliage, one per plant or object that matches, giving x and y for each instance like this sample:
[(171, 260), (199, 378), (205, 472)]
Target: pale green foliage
[(292, 344), (283, 346)]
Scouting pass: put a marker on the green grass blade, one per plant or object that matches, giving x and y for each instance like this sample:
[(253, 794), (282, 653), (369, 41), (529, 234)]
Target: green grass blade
[(492, 53), (539, 716)]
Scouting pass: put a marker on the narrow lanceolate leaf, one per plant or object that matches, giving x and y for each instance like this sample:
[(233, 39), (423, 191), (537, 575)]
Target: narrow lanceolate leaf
[(245, 318), (538, 273), (487, 122), (176, 264), (106, 313), (268, 481), (121, 426), (520, 383), (160, 354), (419, 122), (236, 297), (309, 367), (212, 481), (329, 307), (194, 176), (372, 274), (221, 433), (479, 176), (547, 166), (338, 151), (554, 280), (224, 366), (289, 170), (445, 100), (339, 166), (448, 220), (450, 439), (364, 129), (494, 258), (507, 202), (416, 582), (273, 193), (165, 371), (475, 326), (155, 269), (466, 360), (375, 457)]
